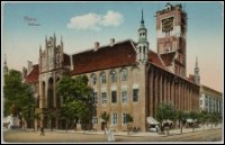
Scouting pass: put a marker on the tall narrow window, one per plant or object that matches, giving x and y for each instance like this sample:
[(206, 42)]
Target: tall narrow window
[(144, 49), (94, 120), (124, 75), (95, 98), (114, 118), (124, 96), (113, 76), (103, 78), (135, 95), (104, 98), (114, 97), (93, 79), (124, 118)]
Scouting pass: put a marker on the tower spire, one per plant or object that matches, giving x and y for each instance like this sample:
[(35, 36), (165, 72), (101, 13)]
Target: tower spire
[(143, 44), (197, 76), (142, 18), (5, 62), (196, 66), (5, 65), (196, 63)]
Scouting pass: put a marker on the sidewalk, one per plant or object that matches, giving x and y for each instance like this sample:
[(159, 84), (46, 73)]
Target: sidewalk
[(171, 132)]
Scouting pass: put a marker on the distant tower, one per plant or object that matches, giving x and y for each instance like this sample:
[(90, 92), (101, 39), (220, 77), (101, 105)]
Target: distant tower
[(196, 70), (171, 27), (5, 66), (143, 44)]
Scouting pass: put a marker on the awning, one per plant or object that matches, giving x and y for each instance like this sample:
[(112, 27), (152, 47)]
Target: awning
[(189, 120), (152, 121), (167, 121)]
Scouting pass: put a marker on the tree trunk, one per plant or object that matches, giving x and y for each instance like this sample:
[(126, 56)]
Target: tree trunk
[(181, 127), (105, 127), (66, 126)]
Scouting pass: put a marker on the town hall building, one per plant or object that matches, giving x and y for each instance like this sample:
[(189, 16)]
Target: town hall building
[(127, 76)]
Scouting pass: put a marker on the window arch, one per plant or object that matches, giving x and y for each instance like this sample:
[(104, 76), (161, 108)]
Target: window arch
[(103, 78), (93, 79), (139, 49), (113, 77), (123, 75)]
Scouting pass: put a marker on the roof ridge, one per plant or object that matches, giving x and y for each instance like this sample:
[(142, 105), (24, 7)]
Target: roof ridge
[(103, 46)]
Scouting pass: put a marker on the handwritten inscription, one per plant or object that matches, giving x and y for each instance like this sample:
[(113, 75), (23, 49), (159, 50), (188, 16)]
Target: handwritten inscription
[(31, 21)]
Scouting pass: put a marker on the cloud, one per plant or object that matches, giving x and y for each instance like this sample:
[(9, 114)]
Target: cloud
[(112, 19), (92, 21)]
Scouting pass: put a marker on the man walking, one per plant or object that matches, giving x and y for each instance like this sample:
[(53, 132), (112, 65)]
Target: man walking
[(42, 131)]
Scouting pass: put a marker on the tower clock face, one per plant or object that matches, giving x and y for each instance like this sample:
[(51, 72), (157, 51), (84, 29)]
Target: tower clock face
[(167, 24)]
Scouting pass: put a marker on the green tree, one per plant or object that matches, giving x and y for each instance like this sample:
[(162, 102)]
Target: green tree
[(213, 118), (37, 119), (105, 118), (76, 95), (203, 117), (19, 97), (194, 116), (181, 116), (164, 112)]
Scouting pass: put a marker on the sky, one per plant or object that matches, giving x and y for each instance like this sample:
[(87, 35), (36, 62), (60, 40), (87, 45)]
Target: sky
[(80, 24)]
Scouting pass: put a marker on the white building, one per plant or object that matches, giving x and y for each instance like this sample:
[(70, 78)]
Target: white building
[(210, 100)]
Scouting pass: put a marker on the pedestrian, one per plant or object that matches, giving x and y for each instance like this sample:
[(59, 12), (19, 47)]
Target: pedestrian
[(110, 134), (42, 131)]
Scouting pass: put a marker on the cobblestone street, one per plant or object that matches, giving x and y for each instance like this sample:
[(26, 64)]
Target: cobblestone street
[(61, 136)]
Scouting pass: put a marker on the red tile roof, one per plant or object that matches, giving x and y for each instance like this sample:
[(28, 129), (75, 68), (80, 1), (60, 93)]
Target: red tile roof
[(118, 55), (191, 78), (106, 57), (33, 75), (154, 58), (167, 58)]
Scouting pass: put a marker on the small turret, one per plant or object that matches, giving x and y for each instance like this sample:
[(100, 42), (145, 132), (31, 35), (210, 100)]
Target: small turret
[(5, 66), (196, 70), (143, 44)]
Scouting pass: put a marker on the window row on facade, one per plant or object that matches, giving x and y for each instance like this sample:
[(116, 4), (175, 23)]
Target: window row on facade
[(210, 103), (112, 77), (114, 97), (113, 118)]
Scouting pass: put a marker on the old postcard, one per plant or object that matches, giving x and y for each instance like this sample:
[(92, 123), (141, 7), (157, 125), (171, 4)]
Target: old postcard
[(112, 72)]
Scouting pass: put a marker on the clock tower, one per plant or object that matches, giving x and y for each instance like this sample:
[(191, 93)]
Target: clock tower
[(171, 27)]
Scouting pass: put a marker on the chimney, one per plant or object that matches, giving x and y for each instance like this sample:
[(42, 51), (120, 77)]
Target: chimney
[(112, 41), (29, 66), (96, 46), (24, 72)]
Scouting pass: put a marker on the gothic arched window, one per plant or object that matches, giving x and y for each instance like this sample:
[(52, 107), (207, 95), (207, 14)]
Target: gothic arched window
[(103, 77), (93, 79), (139, 49), (123, 75), (113, 76)]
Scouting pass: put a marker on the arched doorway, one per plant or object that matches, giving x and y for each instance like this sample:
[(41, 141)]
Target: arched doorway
[(50, 93), (43, 95), (58, 103)]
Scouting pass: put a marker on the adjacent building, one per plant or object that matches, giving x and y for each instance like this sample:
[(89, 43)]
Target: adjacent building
[(126, 76), (210, 100)]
